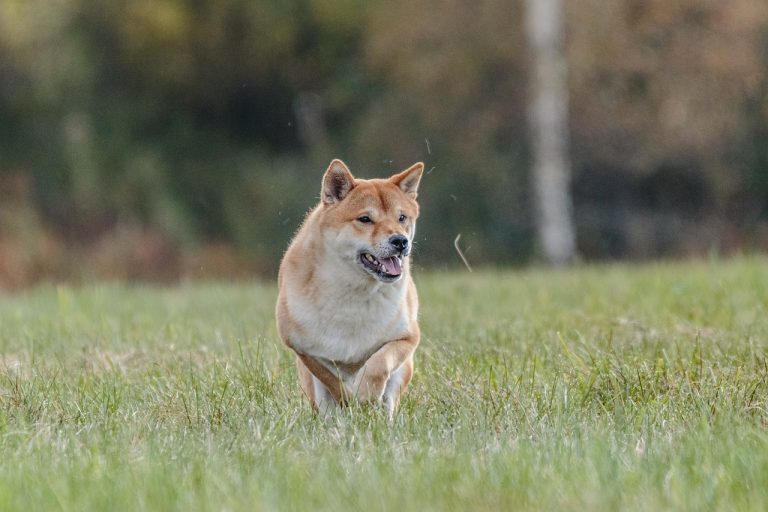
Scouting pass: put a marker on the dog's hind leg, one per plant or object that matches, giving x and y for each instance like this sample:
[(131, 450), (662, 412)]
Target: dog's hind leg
[(324, 402), (315, 391), (331, 382)]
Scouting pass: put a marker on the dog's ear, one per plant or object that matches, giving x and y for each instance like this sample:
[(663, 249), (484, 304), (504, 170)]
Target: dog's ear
[(408, 180), (337, 182)]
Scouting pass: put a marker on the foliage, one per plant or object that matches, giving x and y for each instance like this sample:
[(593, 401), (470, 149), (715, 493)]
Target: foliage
[(611, 387), (204, 124)]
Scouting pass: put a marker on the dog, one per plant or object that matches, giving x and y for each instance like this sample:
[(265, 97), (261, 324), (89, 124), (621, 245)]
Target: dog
[(347, 305)]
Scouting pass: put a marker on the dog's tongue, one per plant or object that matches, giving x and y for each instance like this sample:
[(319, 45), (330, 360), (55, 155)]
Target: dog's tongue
[(391, 265)]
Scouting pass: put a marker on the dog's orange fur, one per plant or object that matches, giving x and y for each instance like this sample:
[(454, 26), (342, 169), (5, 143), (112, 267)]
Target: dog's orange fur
[(354, 329)]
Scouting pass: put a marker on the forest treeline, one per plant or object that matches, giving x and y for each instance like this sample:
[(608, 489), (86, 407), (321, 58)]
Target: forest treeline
[(160, 138)]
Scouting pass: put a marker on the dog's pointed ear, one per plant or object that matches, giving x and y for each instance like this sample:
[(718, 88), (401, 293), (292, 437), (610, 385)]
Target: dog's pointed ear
[(337, 182), (408, 180)]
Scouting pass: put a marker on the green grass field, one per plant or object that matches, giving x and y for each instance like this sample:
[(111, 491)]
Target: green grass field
[(597, 388)]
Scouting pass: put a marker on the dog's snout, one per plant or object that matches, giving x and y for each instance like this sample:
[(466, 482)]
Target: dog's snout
[(399, 242)]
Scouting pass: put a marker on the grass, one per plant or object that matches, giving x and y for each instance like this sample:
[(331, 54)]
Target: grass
[(598, 388)]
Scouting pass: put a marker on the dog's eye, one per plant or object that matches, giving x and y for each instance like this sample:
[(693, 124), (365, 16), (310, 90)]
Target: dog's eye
[(402, 217), (364, 219)]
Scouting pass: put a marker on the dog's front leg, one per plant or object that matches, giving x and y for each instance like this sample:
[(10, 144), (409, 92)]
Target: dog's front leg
[(332, 383), (398, 381), (371, 380)]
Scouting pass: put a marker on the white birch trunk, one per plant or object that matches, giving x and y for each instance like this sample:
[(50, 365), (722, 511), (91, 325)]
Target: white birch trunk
[(548, 124)]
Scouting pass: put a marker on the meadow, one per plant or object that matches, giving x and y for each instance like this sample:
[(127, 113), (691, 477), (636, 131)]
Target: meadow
[(612, 387)]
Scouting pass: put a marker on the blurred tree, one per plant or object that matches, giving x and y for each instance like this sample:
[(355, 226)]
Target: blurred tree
[(206, 125), (548, 118)]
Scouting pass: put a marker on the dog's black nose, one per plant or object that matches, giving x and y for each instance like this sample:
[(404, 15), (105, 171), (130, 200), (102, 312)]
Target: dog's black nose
[(399, 242)]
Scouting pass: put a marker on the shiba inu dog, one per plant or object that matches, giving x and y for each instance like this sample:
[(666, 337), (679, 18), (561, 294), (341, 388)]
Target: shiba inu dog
[(347, 304)]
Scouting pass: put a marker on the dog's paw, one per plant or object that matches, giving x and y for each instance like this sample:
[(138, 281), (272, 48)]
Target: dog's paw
[(390, 405), (367, 386)]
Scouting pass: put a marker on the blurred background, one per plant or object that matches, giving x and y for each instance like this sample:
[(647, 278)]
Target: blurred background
[(159, 139)]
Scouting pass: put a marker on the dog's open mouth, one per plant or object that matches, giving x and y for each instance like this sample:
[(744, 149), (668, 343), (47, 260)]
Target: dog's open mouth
[(386, 269)]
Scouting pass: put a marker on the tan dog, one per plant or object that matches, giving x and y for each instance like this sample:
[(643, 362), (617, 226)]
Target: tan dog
[(347, 304)]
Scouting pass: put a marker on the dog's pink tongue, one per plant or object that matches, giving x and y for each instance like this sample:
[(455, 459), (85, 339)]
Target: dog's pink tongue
[(392, 266)]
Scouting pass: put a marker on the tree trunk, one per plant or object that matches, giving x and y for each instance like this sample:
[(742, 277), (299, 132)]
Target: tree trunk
[(548, 124)]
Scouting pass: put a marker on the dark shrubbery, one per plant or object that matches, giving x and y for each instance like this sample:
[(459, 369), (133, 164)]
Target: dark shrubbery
[(157, 138)]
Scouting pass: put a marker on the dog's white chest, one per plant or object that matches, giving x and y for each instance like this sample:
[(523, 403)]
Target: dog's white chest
[(348, 324)]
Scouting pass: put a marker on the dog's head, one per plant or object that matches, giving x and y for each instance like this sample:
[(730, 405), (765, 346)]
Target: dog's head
[(371, 223)]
